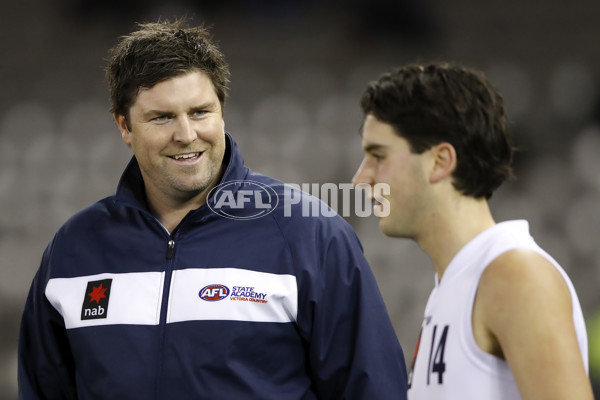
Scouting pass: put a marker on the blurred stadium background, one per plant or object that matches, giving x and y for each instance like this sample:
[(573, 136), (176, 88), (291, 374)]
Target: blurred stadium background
[(298, 69)]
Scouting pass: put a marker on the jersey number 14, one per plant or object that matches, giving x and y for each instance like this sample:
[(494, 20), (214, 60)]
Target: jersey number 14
[(436, 355)]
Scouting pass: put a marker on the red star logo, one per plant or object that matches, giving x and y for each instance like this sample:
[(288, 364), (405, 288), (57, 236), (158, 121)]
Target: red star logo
[(97, 293)]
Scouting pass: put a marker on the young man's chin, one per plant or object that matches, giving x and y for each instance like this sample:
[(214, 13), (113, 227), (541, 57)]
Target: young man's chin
[(389, 230), (385, 227)]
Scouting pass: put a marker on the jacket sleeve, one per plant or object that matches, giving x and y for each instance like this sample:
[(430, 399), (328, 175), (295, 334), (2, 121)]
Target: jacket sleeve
[(354, 352), (45, 363)]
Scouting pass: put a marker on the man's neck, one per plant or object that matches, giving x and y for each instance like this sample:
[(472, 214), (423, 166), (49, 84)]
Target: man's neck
[(170, 212), (452, 227), (171, 208)]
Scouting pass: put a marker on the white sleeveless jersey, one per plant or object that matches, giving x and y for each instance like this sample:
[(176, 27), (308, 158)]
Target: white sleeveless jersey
[(448, 364)]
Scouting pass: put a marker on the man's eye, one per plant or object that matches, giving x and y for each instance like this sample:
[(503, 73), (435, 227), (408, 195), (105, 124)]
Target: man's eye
[(198, 113), (160, 118)]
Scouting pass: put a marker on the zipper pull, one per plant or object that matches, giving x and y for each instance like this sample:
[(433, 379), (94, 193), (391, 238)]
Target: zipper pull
[(170, 249)]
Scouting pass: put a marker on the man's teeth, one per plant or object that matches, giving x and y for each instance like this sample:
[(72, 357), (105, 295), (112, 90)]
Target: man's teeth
[(184, 156)]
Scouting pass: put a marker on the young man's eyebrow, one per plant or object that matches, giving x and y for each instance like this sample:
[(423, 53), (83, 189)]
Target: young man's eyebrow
[(373, 147)]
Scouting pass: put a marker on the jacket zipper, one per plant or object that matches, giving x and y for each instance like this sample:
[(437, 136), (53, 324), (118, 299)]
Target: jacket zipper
[(170, 253), (163, 313), (170, 249)]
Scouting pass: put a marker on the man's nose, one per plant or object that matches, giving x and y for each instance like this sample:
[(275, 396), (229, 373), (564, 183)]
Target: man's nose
[(184, 130)]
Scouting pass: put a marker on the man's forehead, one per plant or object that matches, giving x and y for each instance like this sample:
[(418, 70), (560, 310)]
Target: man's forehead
[(193, 89)]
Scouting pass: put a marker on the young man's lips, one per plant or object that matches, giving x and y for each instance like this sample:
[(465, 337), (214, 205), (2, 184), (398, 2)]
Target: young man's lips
[(377, 206)]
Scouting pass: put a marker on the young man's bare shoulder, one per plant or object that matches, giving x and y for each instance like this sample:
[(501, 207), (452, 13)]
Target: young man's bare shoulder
[(522, 274), (517, 289), (520, 281)]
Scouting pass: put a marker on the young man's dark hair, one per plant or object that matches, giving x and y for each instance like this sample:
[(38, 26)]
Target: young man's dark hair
[(443, 102)]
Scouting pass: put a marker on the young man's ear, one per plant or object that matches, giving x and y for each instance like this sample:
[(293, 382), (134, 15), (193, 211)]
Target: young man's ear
[(444, 161), (123, 126)]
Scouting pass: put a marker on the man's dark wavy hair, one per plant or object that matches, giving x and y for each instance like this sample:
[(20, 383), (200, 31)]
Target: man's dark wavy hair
[(159, 51), (445, 102)]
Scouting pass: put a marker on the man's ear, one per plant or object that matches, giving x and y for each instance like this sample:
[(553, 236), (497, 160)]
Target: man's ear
[(123, 126), (444, 161)]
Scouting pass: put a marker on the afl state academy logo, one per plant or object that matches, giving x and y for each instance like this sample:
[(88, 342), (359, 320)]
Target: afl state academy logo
[(214, 292), (242, 199)]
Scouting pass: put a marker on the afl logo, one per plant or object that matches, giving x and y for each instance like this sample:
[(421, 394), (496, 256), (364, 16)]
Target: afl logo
[(214, 292), (242, 199)]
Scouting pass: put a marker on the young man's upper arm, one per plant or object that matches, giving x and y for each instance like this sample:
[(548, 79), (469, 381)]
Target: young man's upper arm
[(523, 302)]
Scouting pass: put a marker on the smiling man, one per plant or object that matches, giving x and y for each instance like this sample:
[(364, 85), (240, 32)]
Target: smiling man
[(151, 294), (176, 131), (503, 321)]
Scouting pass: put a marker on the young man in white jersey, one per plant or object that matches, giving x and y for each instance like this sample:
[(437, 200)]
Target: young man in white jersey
[(503, 320)]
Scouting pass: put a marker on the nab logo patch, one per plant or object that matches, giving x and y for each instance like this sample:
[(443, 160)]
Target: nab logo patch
[(214, 292), (95, 303)]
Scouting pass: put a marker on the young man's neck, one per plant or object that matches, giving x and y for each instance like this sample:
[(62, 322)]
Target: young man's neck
[(452, 227)]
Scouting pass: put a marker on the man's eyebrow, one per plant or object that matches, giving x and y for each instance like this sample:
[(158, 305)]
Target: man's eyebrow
[(199, 107), (204, 105), (373, 147), (154, 113)]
